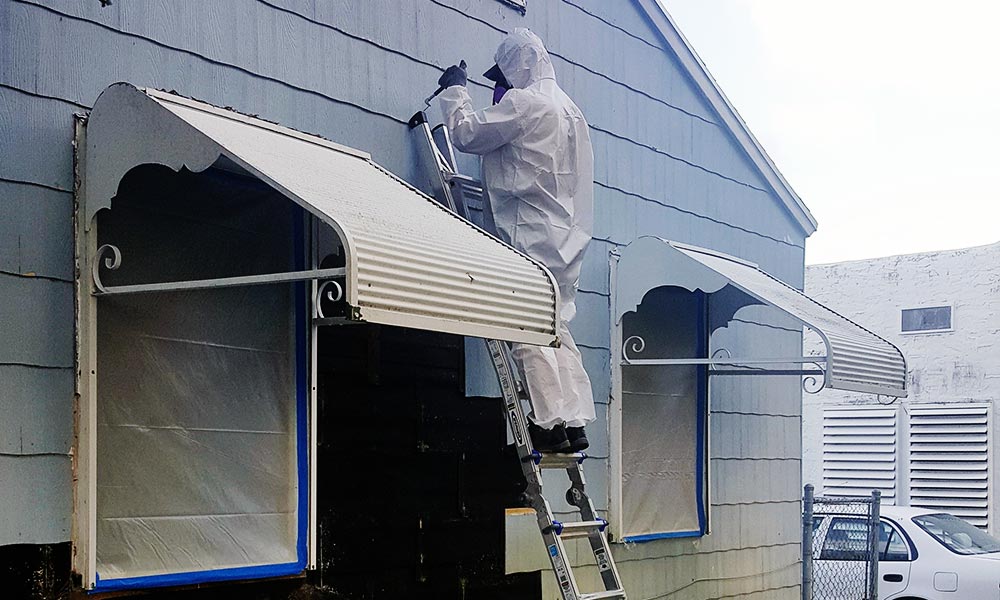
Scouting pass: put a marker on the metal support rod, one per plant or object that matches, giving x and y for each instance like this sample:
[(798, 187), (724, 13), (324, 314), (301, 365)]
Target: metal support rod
[(222, 282), (732, 362), (766, 372), (807, 540)]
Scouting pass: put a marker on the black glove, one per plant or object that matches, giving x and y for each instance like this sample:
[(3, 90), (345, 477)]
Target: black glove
[(454, 75)]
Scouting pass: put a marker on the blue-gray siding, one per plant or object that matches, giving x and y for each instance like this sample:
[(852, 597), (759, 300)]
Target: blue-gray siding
[(354, 72)]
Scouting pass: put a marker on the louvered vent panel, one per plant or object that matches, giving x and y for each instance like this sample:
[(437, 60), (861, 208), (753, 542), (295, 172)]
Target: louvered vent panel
[(949, 460), (859, 452)]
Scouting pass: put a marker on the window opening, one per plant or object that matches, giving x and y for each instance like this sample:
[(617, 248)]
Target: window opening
[(957, 535), (892, 547), (936, 318)]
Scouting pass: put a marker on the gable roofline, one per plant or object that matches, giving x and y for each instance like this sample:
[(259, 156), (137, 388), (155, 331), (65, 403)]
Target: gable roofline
[(699, 74)]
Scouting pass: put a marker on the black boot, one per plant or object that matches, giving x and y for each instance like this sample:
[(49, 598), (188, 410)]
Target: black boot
[(577, 437), (549, 440)]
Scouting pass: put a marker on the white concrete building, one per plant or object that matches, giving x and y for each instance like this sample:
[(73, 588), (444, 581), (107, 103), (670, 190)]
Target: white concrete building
[(938, 447)]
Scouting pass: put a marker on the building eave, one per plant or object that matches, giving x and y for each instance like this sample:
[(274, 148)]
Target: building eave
[(699, 74)]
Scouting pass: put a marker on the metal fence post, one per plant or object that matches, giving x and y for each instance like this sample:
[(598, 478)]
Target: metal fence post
[(875, 529), (807, 540)]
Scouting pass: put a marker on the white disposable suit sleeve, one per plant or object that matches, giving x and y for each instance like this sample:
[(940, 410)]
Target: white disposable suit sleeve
[(481, 131)]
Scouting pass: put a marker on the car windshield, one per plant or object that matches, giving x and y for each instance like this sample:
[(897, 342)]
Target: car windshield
[(957, 535)]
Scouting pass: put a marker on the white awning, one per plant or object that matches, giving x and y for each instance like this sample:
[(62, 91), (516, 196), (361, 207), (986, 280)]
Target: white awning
[(856, 360), (410, 262)]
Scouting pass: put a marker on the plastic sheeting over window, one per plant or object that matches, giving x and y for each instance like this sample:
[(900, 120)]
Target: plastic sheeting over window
[(200, 391), (664, 415)]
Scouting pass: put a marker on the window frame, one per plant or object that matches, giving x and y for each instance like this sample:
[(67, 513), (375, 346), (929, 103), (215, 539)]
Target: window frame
[(951, 320), (518, 5), (703, 442), (893, 528)]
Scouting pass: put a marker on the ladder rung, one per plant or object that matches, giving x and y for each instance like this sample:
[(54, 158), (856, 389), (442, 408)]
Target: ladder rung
[(557, 460), (608, 595), (579, 529)]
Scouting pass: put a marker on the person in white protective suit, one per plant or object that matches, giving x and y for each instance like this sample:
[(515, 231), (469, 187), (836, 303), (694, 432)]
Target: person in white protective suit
[(538, 167)]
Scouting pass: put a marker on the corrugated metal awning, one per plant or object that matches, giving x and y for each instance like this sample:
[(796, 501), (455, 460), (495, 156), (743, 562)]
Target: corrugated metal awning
[(410, 262), (856, 360)]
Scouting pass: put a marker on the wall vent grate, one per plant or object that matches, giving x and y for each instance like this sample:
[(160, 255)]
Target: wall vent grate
[(949, 457), (859, 452)]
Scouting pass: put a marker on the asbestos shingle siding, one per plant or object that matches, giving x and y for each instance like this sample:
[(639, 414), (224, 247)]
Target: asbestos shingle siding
[(354, 72)]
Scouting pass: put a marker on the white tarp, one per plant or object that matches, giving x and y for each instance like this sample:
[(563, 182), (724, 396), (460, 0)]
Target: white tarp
[(661, 431), (197, 439)]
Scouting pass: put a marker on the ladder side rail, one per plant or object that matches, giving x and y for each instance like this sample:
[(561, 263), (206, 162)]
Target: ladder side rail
[(577, 496)]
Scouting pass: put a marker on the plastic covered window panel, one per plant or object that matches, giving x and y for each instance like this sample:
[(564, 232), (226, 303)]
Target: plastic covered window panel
[(663, 420), (198, 398), (937, 318)]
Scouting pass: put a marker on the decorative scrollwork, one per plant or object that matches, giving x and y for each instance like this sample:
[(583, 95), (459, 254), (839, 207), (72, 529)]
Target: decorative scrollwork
[(812, 384), (722, 353), (110, 262), (334, 295), (637, 345)]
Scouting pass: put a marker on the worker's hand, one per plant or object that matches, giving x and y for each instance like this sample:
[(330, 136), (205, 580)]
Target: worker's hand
[(454, 75)]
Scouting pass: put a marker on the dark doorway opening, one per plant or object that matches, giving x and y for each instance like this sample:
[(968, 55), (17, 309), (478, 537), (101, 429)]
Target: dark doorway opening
[(413, 476)]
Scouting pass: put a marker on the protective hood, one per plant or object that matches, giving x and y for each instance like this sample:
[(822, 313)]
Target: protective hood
[(523, 59)]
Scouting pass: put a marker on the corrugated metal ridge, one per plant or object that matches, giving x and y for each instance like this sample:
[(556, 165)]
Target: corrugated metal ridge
[(407, 254), (516, 271)]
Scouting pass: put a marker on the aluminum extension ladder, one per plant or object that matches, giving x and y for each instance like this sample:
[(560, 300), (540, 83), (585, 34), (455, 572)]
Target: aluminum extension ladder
[(455, 191)]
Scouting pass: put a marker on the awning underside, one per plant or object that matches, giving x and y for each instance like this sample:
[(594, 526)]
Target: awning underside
[(410, 262), (856, 359)]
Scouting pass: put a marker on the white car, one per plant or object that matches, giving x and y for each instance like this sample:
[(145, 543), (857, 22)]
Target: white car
[(923, 555)]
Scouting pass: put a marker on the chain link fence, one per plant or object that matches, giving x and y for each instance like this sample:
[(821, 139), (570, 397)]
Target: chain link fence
[(840, 543)]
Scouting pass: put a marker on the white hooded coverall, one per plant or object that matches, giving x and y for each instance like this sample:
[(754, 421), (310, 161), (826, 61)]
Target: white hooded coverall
[(538, 167)]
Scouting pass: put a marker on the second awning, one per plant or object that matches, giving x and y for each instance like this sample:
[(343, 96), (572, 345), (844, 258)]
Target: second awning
[(856, 359)]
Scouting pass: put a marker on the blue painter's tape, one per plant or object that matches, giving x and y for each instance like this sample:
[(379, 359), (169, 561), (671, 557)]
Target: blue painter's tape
[(174, 579), (703, 334), (649, 537), (301, 387)]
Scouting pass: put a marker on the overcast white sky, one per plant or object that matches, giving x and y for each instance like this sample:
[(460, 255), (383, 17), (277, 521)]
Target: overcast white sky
[(884, 115)]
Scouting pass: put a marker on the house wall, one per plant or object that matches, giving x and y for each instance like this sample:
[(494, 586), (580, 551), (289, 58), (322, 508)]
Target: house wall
[(960, 366), (354, 72)]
